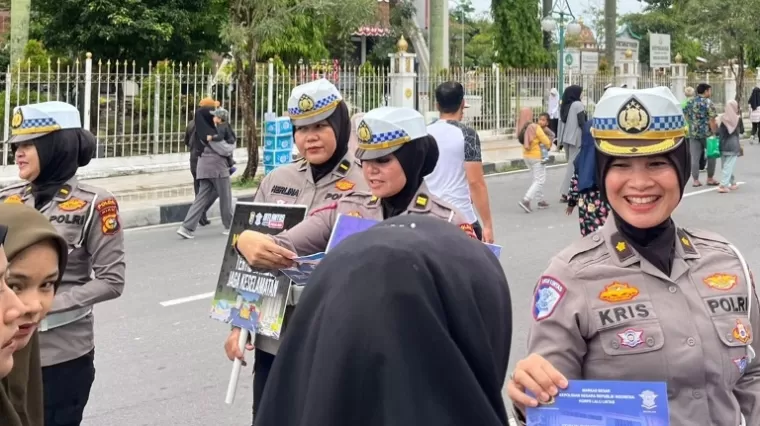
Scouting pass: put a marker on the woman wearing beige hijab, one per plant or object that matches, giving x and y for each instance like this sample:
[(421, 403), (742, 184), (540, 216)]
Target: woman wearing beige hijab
[(37, 257), (11, 310)]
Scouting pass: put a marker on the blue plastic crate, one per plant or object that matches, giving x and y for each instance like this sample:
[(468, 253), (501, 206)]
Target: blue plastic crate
[(278, 127), (282, 157), (268, 158)]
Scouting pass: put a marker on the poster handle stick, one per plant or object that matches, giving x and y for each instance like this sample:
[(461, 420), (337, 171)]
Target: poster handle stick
[(236, 365)]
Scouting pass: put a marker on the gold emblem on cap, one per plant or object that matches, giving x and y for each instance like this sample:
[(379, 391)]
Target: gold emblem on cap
[(363, 133), (305, 103), (633, 117), (18, 118)]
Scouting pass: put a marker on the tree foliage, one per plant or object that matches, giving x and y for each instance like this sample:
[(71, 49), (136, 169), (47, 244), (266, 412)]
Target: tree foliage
[(664, 22), (401, 23), (478, 32), (139, 30), (252, 23), (518, 33)]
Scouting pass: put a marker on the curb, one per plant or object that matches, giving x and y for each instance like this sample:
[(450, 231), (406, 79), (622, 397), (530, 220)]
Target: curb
[(175, 213)]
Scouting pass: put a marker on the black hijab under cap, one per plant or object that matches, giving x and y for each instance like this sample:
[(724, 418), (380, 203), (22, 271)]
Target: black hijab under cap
[(418, 159), (657, 244), (204, 124), (569, 96), (60, 153), (341, 125), (407, 323)]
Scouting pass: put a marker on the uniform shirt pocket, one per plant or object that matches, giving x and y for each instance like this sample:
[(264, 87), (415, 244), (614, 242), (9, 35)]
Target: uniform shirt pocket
[(619, 350), (735, 332)]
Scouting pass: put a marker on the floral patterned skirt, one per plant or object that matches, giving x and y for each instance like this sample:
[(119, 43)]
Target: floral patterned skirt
[(592, 211)]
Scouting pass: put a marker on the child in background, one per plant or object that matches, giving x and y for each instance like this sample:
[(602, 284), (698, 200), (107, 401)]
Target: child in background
[(224, 133), (544, 121)]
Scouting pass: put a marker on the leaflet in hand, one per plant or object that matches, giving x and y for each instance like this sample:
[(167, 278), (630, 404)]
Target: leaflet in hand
[(595, 402), (304, 266)]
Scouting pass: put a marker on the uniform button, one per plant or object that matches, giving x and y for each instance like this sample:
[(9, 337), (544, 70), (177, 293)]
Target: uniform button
[(595, 238), (615, 345), (650, 341), (729, 337), (697, 394), (690, 341), (672, 289)]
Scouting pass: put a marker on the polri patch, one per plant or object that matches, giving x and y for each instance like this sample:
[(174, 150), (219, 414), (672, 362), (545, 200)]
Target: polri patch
[(549, 292), (109, 216)]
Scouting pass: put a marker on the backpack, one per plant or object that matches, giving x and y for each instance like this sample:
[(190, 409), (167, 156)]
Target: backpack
[(521, 134)]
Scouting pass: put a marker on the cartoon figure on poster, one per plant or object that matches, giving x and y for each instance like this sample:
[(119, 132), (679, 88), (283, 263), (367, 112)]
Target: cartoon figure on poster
[(246, 314)]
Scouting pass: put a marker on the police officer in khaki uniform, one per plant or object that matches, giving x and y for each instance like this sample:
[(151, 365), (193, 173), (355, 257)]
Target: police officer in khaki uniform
[(641, 298), (326, 172), (49, 146), (396, 154)]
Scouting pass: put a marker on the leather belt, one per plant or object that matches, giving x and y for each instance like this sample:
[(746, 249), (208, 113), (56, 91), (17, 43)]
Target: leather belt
[(64, 318)]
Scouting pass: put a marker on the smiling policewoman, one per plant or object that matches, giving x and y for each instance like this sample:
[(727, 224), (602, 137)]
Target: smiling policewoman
[(642, 298), (326, 172), (49, 146)]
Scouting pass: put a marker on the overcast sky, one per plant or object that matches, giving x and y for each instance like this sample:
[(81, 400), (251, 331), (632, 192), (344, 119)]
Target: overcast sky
[(577, 6)]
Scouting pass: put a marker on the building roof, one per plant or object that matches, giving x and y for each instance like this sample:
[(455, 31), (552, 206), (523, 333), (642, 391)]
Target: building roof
[(382, 27)]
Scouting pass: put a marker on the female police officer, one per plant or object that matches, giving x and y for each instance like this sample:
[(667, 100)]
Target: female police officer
[(326, 173), (396, 154), (642, 299), (50, 145)]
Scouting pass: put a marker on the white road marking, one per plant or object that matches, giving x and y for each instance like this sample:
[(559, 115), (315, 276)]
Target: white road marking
[(187, 299), (522, 170), (706, 190)]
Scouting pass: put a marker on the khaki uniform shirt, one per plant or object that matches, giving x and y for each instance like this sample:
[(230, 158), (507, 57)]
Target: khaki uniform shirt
[(312, 235), (294, 184), (601, 312), (88, 218)]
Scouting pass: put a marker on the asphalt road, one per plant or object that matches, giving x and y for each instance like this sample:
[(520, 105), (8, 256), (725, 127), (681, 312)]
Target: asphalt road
[(164, 365)]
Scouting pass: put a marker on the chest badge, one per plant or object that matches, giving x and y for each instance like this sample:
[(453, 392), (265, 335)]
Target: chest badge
[(72, 205), (723, 282), (618, 292), (344, 185), (14, 199), (741, 364), (631, 338), (740, 332)]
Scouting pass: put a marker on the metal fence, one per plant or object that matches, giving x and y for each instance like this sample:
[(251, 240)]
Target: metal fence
[(144, 110)]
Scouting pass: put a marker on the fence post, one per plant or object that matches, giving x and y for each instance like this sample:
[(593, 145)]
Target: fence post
[(498, 97), (156, 111), (7, 115), (270, 86), (88, 95)]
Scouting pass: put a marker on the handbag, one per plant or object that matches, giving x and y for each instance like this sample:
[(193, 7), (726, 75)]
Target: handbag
[(713, 147)]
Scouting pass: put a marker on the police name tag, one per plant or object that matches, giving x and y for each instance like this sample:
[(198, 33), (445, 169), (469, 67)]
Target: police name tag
[(595, 402)]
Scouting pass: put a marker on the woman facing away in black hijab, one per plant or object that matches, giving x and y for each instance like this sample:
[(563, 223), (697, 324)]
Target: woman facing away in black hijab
[(754, 114), (572, 119), (668, 278), (396, 154), (407, 323)]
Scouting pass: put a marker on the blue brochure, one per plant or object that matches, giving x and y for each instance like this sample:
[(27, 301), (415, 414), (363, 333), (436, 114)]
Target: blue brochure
[(596, 403), (303, 268), (345, 226)]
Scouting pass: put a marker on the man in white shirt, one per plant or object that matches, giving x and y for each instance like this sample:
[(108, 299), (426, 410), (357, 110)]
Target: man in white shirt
[(458, 177)]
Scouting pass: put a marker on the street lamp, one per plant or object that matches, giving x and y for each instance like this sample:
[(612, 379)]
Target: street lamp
[(566, 23)]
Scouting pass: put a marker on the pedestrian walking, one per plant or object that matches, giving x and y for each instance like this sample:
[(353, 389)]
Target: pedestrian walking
[(700, 115), (730, 132), (572, 118), (396, 154), (533, 139), (553, 110), (585, 192), (754, 114), (37, 256), (49, 146), (327, 172), (386, 314), (213, 175), (196, 146), (643, 298), (458, 177)]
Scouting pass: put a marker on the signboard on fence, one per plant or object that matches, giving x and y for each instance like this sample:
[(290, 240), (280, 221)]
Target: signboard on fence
[(254, 300), (571, 60), (659, 50)]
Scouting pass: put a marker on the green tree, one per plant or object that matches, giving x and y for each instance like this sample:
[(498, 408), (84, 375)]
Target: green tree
[(20, 11), (401, 23), (518, 33), (664, 21), (139, 30), (252, 22), (732, 28)]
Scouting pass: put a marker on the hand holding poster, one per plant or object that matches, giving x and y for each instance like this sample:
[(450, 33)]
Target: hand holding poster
[(596, 402)]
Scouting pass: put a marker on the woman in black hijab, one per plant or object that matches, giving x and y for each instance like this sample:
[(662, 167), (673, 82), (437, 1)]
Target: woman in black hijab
[(637, 299), (396, 154), (572, 120), (397, 328), (754, 114)]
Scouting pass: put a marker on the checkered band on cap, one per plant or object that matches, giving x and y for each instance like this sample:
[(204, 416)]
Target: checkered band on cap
[(313, 102), (643, 114), (320, 104), (43, 118), (34, 123), (671, 122), (389, 127)]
